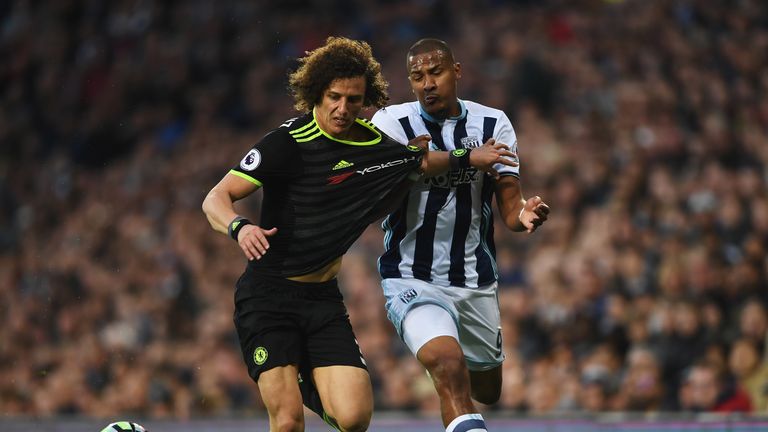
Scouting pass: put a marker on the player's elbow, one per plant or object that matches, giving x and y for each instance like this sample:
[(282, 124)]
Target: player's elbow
[(205, 207), (208, 205)]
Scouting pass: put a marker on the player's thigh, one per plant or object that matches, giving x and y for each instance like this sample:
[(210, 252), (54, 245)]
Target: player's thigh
[(330, 340), (405, 295), (430, 332), (280, 392), (345, 392), (338, 368), (268, 337), (480, 328)]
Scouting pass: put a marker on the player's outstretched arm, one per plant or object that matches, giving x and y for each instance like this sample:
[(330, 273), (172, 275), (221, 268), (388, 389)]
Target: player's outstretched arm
[(483, 158)]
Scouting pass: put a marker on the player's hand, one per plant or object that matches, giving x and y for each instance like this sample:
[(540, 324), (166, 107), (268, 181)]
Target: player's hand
[(253, 240), (422, 142), (491, 153), (534, 213)]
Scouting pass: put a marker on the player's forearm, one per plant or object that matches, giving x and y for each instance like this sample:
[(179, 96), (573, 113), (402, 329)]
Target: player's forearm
[(437, 163), (512, 218), (219, 210), (509, 198)]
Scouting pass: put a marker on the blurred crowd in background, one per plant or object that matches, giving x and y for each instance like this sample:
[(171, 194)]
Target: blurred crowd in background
[(643, 123)]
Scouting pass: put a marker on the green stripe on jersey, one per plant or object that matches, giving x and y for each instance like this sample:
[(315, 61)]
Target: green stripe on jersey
[(311, 137), (246, 177), (309, 131), (297, 130)]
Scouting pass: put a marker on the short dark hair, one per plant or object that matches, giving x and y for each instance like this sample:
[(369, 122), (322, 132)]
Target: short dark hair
[(339, 58), (429, 44)]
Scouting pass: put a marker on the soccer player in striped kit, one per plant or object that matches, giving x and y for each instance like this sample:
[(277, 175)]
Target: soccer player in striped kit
[(438, 269)]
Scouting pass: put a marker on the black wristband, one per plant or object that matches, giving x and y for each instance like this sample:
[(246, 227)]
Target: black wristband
[(236, 225), (459, 159)]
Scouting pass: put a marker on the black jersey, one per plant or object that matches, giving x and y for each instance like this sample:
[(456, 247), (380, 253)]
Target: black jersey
[(320, 192)]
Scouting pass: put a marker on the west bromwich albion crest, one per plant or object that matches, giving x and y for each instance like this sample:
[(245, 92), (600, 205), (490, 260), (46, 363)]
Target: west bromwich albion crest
[(470, 142)]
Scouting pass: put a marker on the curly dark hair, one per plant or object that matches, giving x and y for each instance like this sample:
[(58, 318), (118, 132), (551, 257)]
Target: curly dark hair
[(338, 58)]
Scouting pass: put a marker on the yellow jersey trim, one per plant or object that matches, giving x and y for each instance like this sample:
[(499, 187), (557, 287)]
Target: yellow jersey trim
[(245, 177), (359, 121)]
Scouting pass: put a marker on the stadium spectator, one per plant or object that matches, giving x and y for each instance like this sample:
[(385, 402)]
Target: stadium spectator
[(750, 370), (707, 388), (642, 388)]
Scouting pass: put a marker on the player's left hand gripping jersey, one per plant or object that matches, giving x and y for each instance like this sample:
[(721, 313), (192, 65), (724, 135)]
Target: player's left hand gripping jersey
[(320, 192)]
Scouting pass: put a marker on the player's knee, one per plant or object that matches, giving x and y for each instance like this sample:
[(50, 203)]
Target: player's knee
[(445, 366), (354, 422), (288, 422)]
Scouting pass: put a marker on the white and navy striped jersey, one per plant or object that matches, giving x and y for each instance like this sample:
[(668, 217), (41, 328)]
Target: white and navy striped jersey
[(443, 231)]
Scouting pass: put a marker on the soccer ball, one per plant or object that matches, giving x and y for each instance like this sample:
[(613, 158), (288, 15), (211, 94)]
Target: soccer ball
[(124, 426)]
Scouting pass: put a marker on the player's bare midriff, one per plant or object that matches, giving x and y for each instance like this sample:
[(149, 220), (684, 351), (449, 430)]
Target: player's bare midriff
[(324, 274)]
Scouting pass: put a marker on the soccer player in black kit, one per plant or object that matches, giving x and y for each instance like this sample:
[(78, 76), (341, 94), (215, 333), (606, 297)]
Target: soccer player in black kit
[(326, 175)]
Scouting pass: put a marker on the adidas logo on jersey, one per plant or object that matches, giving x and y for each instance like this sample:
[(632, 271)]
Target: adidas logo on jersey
[(342, 164)]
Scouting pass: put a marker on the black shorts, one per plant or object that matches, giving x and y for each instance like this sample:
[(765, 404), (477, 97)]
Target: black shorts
[(282, 322)]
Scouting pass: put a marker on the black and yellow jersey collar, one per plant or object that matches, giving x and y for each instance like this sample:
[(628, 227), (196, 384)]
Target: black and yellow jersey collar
[(312, 130)]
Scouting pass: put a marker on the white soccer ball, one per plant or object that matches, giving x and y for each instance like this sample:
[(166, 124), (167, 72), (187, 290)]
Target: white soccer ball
[(124, 426)]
